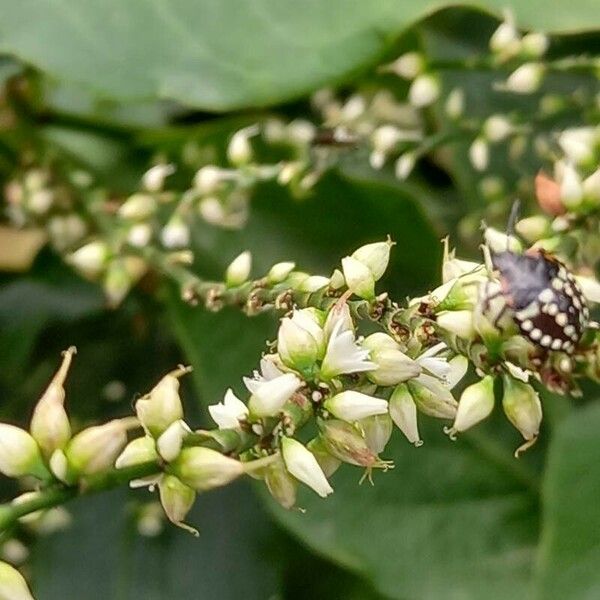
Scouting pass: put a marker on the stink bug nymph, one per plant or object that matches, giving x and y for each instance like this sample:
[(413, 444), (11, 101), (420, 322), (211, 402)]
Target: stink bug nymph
[(546, 301)]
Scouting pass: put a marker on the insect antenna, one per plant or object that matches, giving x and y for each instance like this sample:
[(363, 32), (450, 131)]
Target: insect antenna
[(512, 220)]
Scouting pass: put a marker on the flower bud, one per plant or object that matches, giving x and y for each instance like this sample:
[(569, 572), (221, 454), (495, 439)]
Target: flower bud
[(281, 485), (359, 279), (279, 272), (476, 404), (204, 469), (523, 408), (377, 431), (300, 341), (208, 179), (176, 233), (91, 259), (40, 202), (19, 453), (343, 441), (170, 441), (393, 366), (535, 44), (533, 228), (375, 257), (338, 315), (432, 398), (302, 465), (239, 150), (424, 90), (12, 584), (479, 154), (505, 40), (497, 128), (590, 287), (162, 406), (138, 207), (353, 406), (453, 267), (405, 165), (314, 283), (408, 66), (96, 449), (177, 499), (139, 451), (526, 79), (269, 397), (139, 235), (459, 322), (571, 187), (50, 425), (329, 464), (229, 413), (154, 178), (591, 187), (578, 144), (500, 242), (455, 103), (239, 270), (403, 412)]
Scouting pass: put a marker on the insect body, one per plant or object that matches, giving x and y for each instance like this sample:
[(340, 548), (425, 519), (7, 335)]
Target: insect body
[(548, 305)]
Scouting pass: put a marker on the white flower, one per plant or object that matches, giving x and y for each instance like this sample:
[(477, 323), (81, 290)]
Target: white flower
[(176, 233), (408, 65), (170, 441), (268, 370), (571, 187), (497, 128), (455, 103), (300, 340), (138, 451), (269, 397), (459, 322), (393, 366), (280, 271), (90, 259), (405, 165), (344, 355), (375, 257), (353, 406), (403, 411), (339, 313), (19, 453), (479, 154), (204, 469), (12, 584), (227, 414), (526, 79), (239, 150), (437, 366), (476, 403), (359, 277), (303, 465), (154, 178), (424, 90)]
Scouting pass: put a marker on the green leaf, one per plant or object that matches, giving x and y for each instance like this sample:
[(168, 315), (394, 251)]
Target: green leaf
[(447, 522), (227, 54), (101, 555), (569, 552)]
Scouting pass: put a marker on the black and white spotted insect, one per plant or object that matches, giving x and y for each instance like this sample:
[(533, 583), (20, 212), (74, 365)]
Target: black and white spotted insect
[(547, 303)]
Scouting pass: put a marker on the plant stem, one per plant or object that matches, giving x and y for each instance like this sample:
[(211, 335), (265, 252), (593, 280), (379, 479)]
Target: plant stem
[(58, 494)]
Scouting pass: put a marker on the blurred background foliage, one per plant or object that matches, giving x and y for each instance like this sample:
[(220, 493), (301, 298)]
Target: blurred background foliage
[(118, 83)]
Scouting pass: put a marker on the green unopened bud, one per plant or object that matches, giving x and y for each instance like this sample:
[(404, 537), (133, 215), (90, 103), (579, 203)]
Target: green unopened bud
[(279, 272), (50, 425), (281, 485), (403, 412), (475, 405), (458, 322), (329, 464), (432, 398), (177, 499), (424, 90), (343, 441), (533, 228), (377, 431), (523, 408), (526, 79), (162, 406), (204, 469), (354, 406), (19, 453), (137, 452), (375, 257), (300, 341), (12, 584), (138, 207), (302, 464), (239, 270), (393, 366), (359, 279), (96, 449), (91, 259)]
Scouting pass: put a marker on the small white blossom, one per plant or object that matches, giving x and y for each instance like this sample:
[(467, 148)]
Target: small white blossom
[(476, 404), (176, 233), (154, 178), (424, 90), (359, 278), (140, 235), (170, 441), (300, 341), (526, 79), (269, 397), (280, 271), (350, 405), (405, 165), (303, 465), (403, 411), (227, 414), (239, 150), (239, 269), (375, 257), (479, 154), (571, 187), (344, 355)]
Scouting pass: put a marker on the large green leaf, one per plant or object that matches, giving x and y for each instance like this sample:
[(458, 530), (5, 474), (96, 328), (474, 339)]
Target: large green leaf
[(225, 54), (447, 522), (569, 552)]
